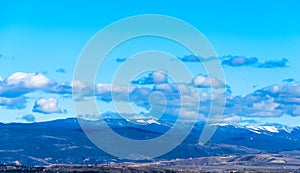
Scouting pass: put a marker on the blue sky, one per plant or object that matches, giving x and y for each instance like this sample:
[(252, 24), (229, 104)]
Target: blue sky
[(43, 39)]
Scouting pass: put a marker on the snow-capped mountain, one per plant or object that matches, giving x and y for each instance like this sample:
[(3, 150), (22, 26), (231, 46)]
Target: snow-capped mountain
[(270, 128)]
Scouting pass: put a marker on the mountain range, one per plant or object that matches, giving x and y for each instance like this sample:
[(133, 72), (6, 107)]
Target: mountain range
[(64, 142)]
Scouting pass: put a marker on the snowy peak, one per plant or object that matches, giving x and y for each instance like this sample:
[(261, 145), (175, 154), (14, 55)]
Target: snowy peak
[(259, 129), (269, 128), (147, 121)]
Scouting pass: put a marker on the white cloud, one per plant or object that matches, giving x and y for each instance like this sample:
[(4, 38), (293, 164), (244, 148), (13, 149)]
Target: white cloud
[(29, 80), (159, 76), (164, 87), (266, 105), (6, 101), (203, 81), (296, 111), (275, 100), (46, 106), (257, 104), (155, 77), (184, 89), (13, 103), (108, 88), (120, 93), (20, 83), (77, 85), (231, 119)]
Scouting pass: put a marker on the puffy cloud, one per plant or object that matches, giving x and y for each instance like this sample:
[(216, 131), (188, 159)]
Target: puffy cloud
[(121, 93), (28, 118), (155, 77), (77, 86), (15, 86), (1, 79), (13, 103), (46, 106), (267, 105), (28, 80), (171, 97), (159, 95), (60, 70), (20, 83), (295, 111), (164, 87), (265, 108), (274, 64), (275, 100), (140, 96), (202, 81), (58, 88), (254, 105), (187, 101), (159, 76), (238, 61), (288, 93)]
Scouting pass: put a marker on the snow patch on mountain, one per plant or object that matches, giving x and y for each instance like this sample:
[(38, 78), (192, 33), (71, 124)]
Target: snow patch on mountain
[(152, 121), (287, 129), (219, 124), (147, 121), (141, 121)]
